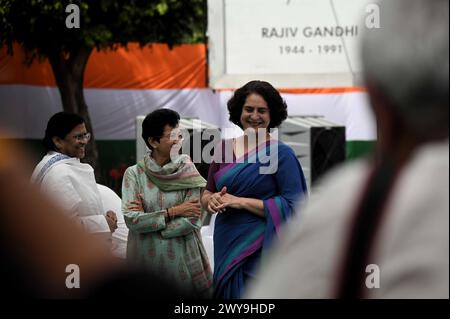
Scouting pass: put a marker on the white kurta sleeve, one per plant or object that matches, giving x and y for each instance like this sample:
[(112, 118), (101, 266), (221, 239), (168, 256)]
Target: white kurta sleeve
[(60, 187), (95, 224)]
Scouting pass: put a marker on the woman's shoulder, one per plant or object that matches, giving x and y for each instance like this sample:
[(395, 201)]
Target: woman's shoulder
[(65, 166), (282, 147), (285, 152), (132, 170), (223, 150), (225, 144)]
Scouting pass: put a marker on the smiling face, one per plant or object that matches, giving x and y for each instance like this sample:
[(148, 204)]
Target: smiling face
[(74, 143), (255, 113), (170, 141)]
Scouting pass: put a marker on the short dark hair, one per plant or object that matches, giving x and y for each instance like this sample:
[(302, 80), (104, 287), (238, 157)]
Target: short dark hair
[(60, 124), (276, 104), (155, 122)]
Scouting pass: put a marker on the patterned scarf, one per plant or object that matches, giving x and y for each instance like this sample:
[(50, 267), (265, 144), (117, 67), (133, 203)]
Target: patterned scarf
[(178, 174)]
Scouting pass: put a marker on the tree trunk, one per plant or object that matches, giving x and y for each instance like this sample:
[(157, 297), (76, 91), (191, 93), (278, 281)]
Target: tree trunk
[(69, 74)]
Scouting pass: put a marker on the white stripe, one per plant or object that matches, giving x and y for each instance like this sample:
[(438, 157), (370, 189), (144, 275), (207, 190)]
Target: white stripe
[(25, 110)]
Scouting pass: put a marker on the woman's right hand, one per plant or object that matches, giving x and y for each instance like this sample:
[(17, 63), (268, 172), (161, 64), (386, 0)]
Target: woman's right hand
[(111, 219), (187, 209)]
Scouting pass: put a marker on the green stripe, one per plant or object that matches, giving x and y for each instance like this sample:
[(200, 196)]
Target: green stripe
[(251, 159), (241, 247), (280, 207), (357, 149), (230, 172)]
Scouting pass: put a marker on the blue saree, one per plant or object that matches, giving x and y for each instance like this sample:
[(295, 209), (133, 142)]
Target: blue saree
[(240, 237)]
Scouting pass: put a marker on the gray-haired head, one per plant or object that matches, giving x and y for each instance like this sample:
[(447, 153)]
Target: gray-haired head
[(407, 59)]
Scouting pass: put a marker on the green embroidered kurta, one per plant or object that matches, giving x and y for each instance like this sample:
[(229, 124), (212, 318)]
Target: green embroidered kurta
[(175, 248)]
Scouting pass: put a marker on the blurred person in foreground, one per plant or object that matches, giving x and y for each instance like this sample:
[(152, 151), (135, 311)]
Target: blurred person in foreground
[(38, 242), (160, 204), (380, 227), (60, 174)]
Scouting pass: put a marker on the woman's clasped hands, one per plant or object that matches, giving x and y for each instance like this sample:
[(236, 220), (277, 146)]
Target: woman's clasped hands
[(218, 202)]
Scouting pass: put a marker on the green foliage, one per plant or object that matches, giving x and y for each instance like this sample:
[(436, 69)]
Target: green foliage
[(39, 25)]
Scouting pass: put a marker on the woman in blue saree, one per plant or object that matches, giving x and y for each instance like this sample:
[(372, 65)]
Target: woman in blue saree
[(252, 199)]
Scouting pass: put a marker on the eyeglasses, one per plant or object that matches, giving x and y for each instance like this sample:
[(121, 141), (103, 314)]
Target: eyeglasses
[(173, 136), (82, 137)]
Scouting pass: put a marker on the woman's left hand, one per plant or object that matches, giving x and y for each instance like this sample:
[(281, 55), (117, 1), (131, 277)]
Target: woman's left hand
[(229, 200), (253, 205)]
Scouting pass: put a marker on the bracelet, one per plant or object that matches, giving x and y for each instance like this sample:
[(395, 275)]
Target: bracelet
[(170, 213)]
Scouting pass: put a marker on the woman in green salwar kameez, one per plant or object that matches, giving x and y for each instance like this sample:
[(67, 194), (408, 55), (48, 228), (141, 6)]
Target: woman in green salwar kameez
[(160, 204)]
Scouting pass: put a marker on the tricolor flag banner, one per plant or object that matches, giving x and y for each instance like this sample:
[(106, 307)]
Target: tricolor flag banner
[(121, 85)]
